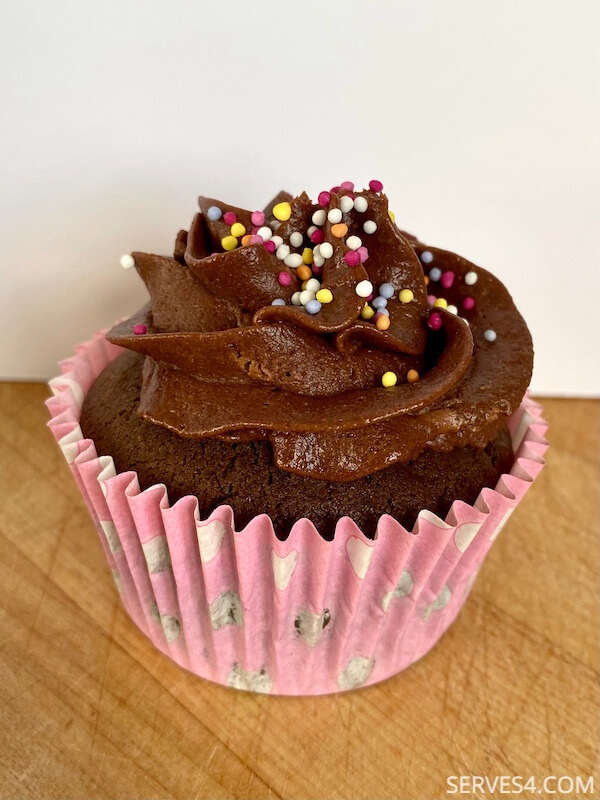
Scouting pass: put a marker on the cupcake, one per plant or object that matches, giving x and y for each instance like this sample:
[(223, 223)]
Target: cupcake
[(299, 452)]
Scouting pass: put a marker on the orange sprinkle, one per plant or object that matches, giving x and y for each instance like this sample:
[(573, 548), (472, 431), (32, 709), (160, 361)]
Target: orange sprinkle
[(382, 322), (246, 239), (304, 272), (339, 230), (426, 280), (412, 375)]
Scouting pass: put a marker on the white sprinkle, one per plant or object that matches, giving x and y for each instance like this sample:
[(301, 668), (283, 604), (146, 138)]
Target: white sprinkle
[(471, 278), (313, 285), (452, 309), (334, 216), (318, 259), (490, 335), (265, 233), (370, 226), (292, 260), (346, 204), (361, 204), (282, 251), (426, 257), (354, 242), (306, 296), (277, 240), (326, 248), (279, 301), (311, 230), (364, 288), (319, 217), (296, 299), (296, 239), (127, 261)]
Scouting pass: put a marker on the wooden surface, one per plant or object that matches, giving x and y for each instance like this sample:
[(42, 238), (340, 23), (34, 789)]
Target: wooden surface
[(89, 710)]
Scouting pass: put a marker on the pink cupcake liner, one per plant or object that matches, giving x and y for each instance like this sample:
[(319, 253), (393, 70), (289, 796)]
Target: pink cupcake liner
[(303, 616)]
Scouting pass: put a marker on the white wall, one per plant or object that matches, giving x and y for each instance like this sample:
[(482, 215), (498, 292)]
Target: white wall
[(481, 118)]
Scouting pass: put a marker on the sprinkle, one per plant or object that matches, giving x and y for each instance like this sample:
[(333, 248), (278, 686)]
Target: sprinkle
[(490, 335), (127, 261), (306, 296), (426, 257), (296, 299), (277, 239), (293, 260), (468, 303), (265, 233), (324, 296), (269, 247), (434, 321), (346, 204), (140, 329), (431, 299), (317, 236), (383, 311), (386, 290), (285, 279), (392, 216), (361, 204), (382, 322), (339, 230), (379, 302), (334, 216), (318, 259), (452, 309), (471, 278), (441, 303), (296, 239), (247, 239), (363, 253), (447, 279), (257, 218), (313, 285), (229, 218), (352, 258), (307, 255), (229, 243), (282, 211), (426, 280), (412, 376), (367, 312), (364, 288), (323, 198), (406, 296), (335, 189), (311, 230), (375, 185), (326, 250), (317, 269), (303, 272), (214, 213), (370, 226), (389, 379), (435, 273), (237, 229), (354, 242), (313, 306), (255, 239), (279, 301), (283, 251), (319, 217), (347, 185)]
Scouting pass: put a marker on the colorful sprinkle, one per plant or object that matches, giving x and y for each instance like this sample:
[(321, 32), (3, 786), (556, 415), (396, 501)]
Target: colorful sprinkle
[(406, 296), (257, 218), (313, 306), (471, 278), (490, 335), (339, 230), (447, 279), (279, 301), (370, 226), (361, 204), (229, 218), (346, 204), (139, 329), (303, 272), (247, 239), (386, 290), (468, 303), (435, 321), (431, 299), (375, 186), (352, 258), (412, 376), (441, 302), (363, 253), (324, 296), (214, 213), (392, 216), (229, 243), (348, 186), (319, 217), (389, 379), (127, 261), (296, 239), (317, 269), (364, 288), (307, 255), (354, 242), (382, 322), (426, 257), (435, 273), (285, 279), (326, 250), (379, 302), (269, 247), (367, 312), (317, 236), (334, 216), (237, 229), (282, 211), (323, 198)]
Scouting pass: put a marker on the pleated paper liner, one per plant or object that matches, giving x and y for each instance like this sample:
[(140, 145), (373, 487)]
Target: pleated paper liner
[(303, 616)]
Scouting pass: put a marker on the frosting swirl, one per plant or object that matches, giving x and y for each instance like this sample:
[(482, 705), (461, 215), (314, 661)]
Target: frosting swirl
[(283, 324)]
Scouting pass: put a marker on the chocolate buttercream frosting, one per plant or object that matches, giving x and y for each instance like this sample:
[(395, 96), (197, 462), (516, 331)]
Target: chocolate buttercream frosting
[(325, 329)]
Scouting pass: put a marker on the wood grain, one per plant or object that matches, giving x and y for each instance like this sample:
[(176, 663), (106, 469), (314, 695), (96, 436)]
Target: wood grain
[(88, 709)]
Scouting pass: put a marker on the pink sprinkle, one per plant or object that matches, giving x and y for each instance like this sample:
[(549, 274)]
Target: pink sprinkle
[(139, 329), (257, 218), (369, 298), (431, 298), (348, 186), (335, 189), (317, 236), (229, 218), (284, 278), (254, 230), (447, 279), (316, 269), (323, 198), (269, 246), (352, 258), (434, 321), (363, 253), (375, 185), (256, 239), (468, 303)]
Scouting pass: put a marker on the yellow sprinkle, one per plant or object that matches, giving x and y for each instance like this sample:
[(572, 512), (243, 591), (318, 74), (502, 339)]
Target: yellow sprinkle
[(229, 243), (304, 284), (392, 216), (389, 379), (441, 303), (307, 255), (406, 295), (237, 229), (282, 211), (367, 312), (324, 296), (412, 375)]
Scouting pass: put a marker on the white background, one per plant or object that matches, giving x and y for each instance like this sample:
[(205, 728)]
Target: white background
[(480, 117)]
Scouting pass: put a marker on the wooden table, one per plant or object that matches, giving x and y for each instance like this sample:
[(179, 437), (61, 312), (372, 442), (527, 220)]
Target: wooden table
[(88, 709)]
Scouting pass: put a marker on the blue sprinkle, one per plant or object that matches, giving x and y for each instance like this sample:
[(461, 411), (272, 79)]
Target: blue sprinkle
[(435, 274), (383, 311), (379, 302), (313, 306), (386, 290), (426, 256), (279, 301), (214, 213)]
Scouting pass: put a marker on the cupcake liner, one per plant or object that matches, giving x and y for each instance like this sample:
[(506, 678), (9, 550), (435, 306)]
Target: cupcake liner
[(303, 616)]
